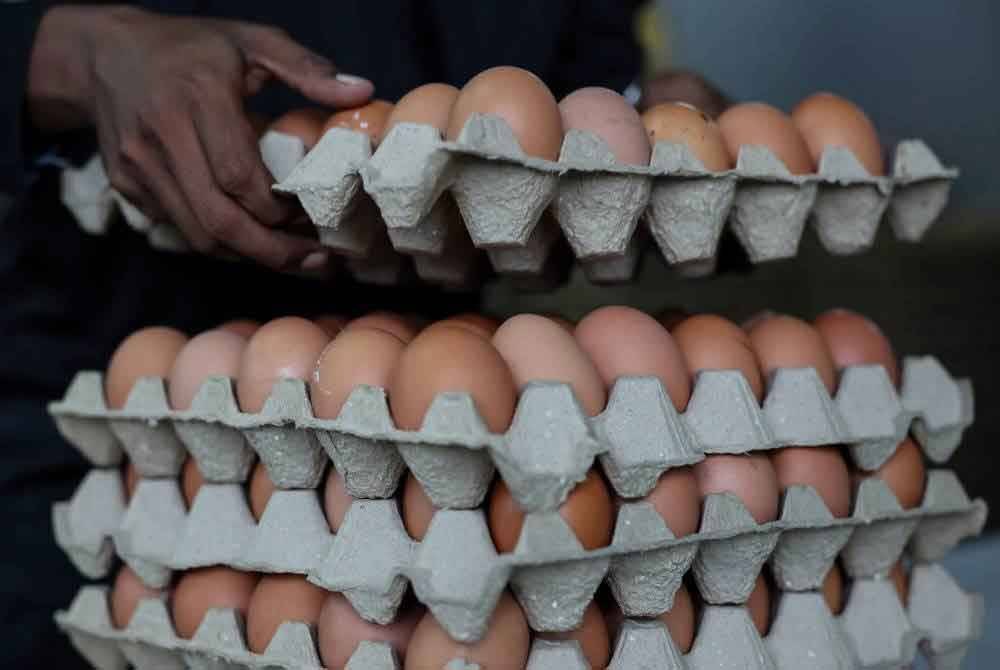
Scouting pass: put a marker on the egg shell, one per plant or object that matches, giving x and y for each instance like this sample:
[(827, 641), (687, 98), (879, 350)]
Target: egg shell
[(568, 325), (214, 353), (827, 120), (750, 477), (759, 605), (418, 510), (369, 119), (710, 342), (131, 478), (191, 481), (538, 349), (592, 636), (901, 581), (904, 473), (277, 599), (447, 358), (305, 124), (244, 327), (833, 589), (677, 499), (355, 357), (518, 97), (822, 468), (504, 645), (149, 352), (681, 123), (401, 326), (608, 115), (200, 590), (340, 630), (260, 490), (284, 348), (587, 510), (478, 323), (680, 620), (855, 340), (331, 324), (336, 500), (126, 593), (624, 342), (671, 318), (786, 342), (760, 124), (429, 105)]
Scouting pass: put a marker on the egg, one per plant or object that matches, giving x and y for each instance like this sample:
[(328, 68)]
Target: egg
[(750, 477), (131, 480), (827, 120), (677, 499), (710, 342), (560, 320), (587, 510), (504, 645), (759, 605), (202, 589), (519, 98), (682, 123), (478, 323), (786, 342), (214, 353), (418, 510), (331, 324), (340, 630), (671, 318), (446, 358), (126, 594), (277, 599), (539, 349), (822, 468), (402, 327), (260, 490), (244, 327), (624, 342), (855, 340), (369, 119), (759, 124), (191, 481), (356, 357), (833, 589), (336, 500), (149, 352), (904, 473), (592, 635), (680, 620), (428, 105), (609, 116), (901, 582), (305, 124), (283, 348)]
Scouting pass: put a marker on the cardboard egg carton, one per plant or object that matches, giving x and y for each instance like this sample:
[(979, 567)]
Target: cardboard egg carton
[(416, 179)]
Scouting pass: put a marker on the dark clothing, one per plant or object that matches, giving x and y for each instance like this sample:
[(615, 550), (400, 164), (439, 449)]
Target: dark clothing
[(68, 298)]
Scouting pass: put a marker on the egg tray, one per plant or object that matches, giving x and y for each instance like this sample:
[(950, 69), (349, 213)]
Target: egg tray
[(941, 619)]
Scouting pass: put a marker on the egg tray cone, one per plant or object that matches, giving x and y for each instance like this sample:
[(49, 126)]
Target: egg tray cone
[(423, 206)]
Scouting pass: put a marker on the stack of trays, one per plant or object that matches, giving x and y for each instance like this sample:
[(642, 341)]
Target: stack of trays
[(373, 561), (423, 204)]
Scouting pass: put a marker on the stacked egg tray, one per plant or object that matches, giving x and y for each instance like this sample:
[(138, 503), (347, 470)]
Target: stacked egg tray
[(455, 570), (436, 203)]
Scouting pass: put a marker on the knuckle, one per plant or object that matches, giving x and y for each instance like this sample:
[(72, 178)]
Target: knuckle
[(221, 226), (131, 151), (235, 174)]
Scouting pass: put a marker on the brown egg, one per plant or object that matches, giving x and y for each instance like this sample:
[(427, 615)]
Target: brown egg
[(759, 605), (149, 352), (608, 115), (447, 358), (822, 468), (480, 324), (592, 636), (336, 500), (680, 620), (905, 474), (539, 349), (369, 119), (244, 327), (131, 478), (214, 353), (624, 342), (901, 581), (566, 324), (341, 630), (202, 589), (759, 124), (331, 324), (277, 599), (833, 589), (710, 342), (191, 481), (283, 348), (678, 500), (429, 105), (682, 123), (519, 98), (402, 327), (305, 124), (671, 318), (505, 644), (588, 511), (786, 342), (855, 340), (126, 594), (418, 510), (825, 120), (750, 477), (356, 357), (261, 488)]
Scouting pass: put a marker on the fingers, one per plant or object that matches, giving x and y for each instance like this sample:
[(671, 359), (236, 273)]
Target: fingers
[(683, 86)]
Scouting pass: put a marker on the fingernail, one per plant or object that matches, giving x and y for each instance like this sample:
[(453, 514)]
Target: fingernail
[(351, 80), (314, 261)]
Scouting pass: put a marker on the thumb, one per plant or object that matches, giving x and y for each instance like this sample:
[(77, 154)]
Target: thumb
[(307, 72)]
